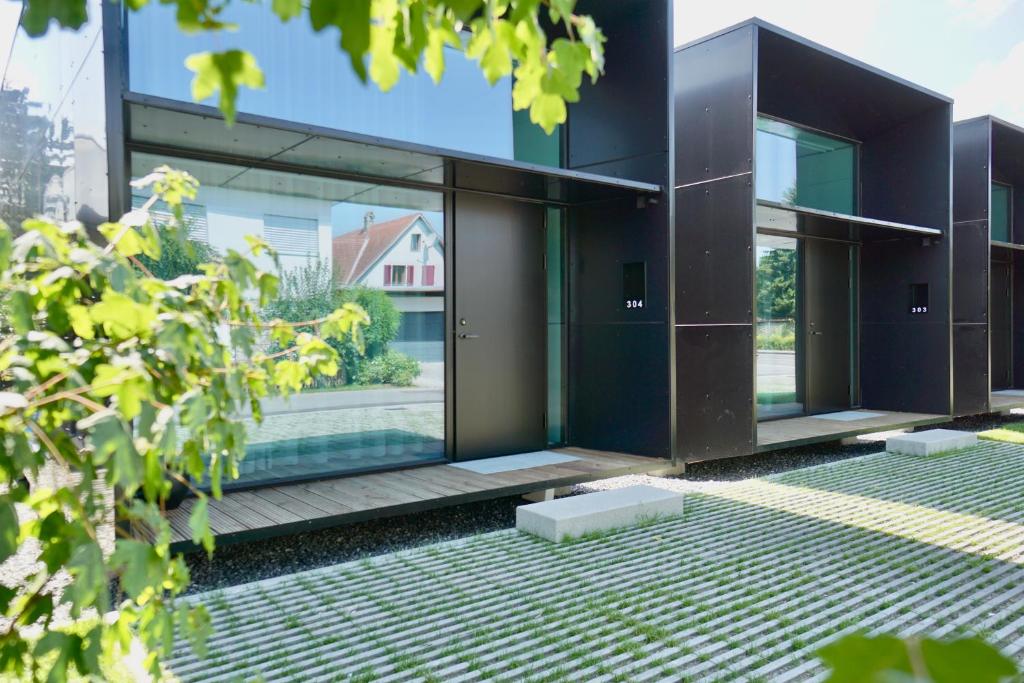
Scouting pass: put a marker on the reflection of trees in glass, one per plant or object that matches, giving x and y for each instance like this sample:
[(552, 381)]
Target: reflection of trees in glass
[(33, 158), (178, 256), (311, 292), (776, 285)]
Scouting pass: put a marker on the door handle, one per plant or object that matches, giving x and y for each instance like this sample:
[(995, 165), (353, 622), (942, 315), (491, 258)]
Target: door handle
[(464, 335), (815, 332)]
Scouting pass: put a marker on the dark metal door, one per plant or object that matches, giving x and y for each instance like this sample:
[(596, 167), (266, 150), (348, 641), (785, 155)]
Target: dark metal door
[(1001, 328), (827, 306), (499, 327)]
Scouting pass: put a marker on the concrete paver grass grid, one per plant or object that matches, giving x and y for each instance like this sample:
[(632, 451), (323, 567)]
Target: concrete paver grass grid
[(747, 585)]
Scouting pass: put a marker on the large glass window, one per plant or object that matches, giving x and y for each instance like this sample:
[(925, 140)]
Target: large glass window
[(804, 168), (556, 325), (311, 81), (1000, 219), (779, 391), (343, 241)]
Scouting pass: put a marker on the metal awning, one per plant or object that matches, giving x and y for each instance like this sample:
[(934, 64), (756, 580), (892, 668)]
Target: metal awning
[(163, 127), (829, 224)]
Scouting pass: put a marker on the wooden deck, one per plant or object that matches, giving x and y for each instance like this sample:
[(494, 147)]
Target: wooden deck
[(799, 431), (1001, 401), (294, 508)]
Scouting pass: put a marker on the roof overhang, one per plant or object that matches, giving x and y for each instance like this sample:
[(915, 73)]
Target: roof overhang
[(166, 127), (828, 224)]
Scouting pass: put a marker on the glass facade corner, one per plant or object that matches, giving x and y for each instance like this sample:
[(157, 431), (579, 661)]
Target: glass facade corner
[(1000, 220), (338, 241), (800, 167)]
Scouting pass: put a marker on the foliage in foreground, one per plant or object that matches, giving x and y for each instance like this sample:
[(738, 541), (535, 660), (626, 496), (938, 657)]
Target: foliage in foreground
[(384, 37), (124, 383), (888, 659)]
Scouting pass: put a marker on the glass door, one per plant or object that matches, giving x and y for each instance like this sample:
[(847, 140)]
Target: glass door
[(779, 334)]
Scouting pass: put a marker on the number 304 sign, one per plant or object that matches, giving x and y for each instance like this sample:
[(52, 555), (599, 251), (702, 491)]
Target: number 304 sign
[(634, 284)]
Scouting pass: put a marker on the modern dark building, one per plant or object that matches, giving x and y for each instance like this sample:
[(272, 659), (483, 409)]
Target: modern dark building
[(738, 246), (988, 192), (519, 283), (812, 251)]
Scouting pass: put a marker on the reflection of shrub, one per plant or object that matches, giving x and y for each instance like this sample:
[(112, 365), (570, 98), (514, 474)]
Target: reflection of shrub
[(784, 341), (391, 367), (310, 292), (383, 327), (178, 256)]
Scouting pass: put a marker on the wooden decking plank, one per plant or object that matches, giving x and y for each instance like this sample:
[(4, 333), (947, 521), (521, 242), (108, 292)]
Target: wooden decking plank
[(367, 497), (388, 482), (250, 518), (437, 486), (452, 477), (275, 496), (319, 496), (275, 512)]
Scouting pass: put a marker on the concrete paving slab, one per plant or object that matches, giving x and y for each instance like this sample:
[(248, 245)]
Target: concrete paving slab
[(556, 520), (930, 442)]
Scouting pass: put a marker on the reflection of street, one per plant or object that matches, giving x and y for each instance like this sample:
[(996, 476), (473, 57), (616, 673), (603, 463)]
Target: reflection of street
[(427, 388), (776, 371), (424, 418), (323, 433)]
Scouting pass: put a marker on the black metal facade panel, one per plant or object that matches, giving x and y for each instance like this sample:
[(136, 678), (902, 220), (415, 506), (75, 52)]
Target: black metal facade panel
[(889, 268), (1017, 333), (603, 238), (906, 367), (714, 107), (714, 251), (619, 388), (625, 113), (648, 168), (970, 370), (905, 359), (905, 171), (970, 272), (802, 83), (715, 402), (971, 162)]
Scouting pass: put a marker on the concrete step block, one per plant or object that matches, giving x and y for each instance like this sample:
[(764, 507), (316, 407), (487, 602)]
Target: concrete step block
[(930, 442), (556, 520)]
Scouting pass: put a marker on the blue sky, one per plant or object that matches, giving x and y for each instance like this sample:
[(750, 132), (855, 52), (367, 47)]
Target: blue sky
[(972, 50)]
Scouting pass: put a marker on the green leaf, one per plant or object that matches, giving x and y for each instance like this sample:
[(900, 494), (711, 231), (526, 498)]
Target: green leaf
[(8, 529), (141, 568), (112, 444), (352, 17), (89, 578), (199, 524), (547, 111), (966, 659), (287, 10), (857, 658), (21, 309), (5, 246), (223, 72), (67, 13), (465, 9), (121, 317)]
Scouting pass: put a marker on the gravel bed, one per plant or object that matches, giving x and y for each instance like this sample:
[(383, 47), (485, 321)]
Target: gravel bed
[(244, 562)]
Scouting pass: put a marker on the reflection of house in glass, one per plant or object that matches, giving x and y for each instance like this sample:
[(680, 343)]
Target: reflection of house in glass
[(405, 257)]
